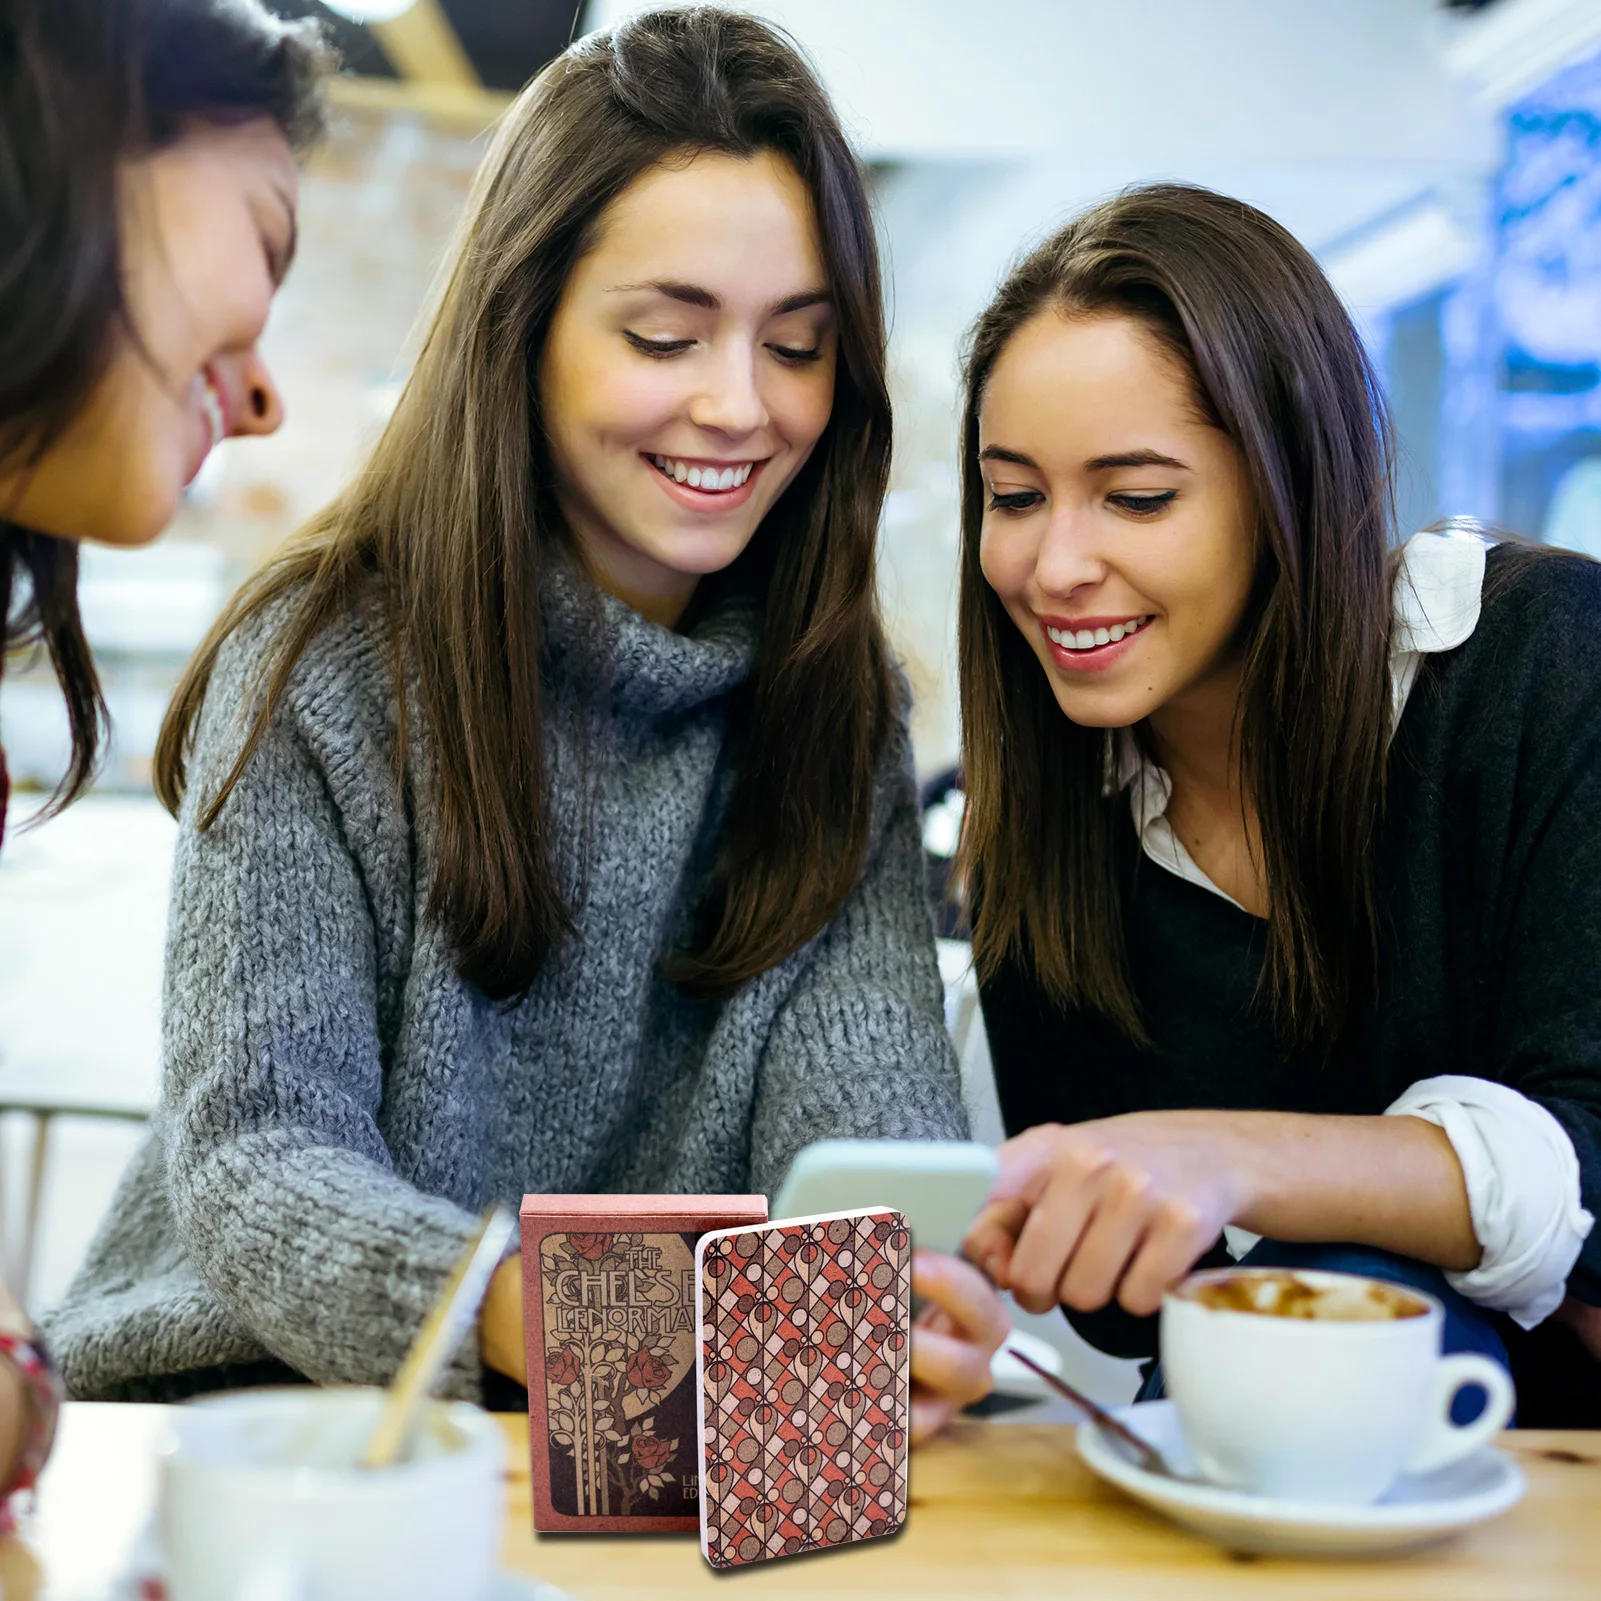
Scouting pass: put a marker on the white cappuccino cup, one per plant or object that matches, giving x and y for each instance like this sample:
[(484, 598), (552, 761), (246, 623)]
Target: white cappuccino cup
[(261, 1499), (1315, 1386)]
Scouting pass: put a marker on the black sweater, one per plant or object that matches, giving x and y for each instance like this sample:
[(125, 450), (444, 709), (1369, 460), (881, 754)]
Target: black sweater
[(1489, 884)]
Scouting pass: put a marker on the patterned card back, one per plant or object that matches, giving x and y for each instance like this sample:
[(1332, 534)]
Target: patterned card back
[(804, 1364)]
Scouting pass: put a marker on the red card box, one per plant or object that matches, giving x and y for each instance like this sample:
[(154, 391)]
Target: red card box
[(805, 1384), (610, 1320)]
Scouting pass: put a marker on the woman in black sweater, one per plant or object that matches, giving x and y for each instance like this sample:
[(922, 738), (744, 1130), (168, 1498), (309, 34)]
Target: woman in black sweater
[(1284, 847)]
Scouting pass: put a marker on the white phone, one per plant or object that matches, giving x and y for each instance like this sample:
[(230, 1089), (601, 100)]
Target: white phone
[(939, 1185)]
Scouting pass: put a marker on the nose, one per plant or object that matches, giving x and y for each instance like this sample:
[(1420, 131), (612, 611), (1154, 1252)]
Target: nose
[(1069, 557), (262, 409), (730, 401)]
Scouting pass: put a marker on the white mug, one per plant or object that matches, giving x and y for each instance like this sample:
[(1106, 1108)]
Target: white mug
[(1323, 1408), (261, 1499)]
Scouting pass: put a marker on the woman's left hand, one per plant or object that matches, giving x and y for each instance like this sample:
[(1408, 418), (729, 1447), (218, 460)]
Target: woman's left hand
[(1119, 1208), (953, 1339)]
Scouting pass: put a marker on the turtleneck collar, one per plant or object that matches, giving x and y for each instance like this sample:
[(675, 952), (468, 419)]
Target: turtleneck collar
[(652, 670)]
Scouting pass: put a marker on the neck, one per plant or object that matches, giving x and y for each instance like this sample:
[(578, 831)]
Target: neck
[(1196, 743), (664, 606), (658, 593)]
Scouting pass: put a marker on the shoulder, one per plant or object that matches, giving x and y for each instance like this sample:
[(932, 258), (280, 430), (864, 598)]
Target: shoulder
[(1527, 681), (338, 695), (1539, 621)]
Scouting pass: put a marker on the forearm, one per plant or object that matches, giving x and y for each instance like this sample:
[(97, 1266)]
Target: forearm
[(1390, 1182), (332, 1262)]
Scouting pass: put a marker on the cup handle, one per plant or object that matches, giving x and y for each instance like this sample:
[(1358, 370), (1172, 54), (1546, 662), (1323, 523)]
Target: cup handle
[(1447, 1442)]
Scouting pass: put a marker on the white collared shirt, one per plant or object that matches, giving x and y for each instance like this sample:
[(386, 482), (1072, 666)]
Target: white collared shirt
[(1519, 1165)]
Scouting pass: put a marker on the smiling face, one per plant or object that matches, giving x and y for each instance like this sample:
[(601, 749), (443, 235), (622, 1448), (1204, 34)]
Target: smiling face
[(1117, 529), (207, 228), (688, 372)]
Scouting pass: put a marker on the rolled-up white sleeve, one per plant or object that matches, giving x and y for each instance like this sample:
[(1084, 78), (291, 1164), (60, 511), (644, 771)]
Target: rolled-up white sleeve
[(1523, 1191)]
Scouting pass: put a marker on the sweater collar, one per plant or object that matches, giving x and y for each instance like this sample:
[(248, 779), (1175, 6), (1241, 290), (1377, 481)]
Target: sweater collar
[(652, 671)]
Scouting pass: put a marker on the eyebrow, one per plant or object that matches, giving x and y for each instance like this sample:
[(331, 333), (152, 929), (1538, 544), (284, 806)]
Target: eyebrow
[(1134, 458), (694, 295), (1096, 464)]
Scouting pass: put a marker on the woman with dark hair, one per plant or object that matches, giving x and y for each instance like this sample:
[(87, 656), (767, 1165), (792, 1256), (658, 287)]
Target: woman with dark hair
[(1287, 881), (570, 844), (147, 214)]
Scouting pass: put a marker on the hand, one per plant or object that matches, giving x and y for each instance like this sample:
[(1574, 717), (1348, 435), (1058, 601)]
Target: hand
[(1121, 1207), (953, 1339), (500, 1322)]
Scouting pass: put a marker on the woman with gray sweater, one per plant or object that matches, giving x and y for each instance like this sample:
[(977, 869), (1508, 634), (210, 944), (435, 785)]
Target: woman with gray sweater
[(567, 840)]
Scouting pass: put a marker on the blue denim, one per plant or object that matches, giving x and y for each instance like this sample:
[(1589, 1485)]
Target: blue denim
[(1467, 1327)]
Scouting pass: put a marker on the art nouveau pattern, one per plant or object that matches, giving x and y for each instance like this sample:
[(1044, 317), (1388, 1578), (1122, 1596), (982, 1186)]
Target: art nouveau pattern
[(805, 1347)]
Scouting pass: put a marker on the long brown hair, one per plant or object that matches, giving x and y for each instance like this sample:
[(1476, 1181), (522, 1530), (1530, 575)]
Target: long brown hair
[(452, 525), (84, 85), (1276, 364)]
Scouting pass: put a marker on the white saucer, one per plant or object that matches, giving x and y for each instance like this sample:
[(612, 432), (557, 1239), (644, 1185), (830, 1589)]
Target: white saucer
[(1418, 1510), (509, 1586)]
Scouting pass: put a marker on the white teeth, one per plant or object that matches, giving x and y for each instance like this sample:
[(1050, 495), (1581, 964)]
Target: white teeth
[(704, 478), (211, 404), (1093, 638)]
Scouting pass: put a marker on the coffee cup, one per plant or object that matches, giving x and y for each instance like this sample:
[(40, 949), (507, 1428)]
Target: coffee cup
[(261, 1498), (1318, 1386)]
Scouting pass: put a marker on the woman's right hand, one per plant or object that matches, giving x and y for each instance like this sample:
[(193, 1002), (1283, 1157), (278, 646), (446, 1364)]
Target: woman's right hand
[(500, 1322)]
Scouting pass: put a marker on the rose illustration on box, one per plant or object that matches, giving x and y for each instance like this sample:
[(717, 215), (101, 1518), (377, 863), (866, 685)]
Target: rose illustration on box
[(609, 1302), (606, 1375)]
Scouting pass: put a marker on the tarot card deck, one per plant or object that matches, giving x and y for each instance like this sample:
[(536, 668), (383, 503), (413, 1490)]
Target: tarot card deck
[(804, 1361), (610, 1315)]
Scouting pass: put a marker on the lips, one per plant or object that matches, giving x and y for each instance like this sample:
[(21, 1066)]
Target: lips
[(1092, 644), (706, 486), (214, 418)]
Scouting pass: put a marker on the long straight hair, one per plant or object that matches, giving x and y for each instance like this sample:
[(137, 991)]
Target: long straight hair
[(452, 527), (1276, 364), (84, 86)]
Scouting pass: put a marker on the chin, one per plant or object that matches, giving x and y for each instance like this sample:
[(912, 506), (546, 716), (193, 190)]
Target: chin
[(701, 557), (1104, 711)]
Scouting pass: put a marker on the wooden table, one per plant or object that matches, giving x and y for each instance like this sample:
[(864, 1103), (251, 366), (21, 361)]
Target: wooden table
[(997, 1510)]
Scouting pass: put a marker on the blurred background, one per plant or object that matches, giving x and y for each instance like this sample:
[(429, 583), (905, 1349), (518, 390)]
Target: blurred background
[(1441, 157)]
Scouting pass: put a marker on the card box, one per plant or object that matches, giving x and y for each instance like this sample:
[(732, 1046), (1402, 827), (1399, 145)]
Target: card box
[(610, 1320), (805, 1384)]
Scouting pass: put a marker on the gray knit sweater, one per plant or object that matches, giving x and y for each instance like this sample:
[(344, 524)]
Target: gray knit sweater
[(338, 1105)]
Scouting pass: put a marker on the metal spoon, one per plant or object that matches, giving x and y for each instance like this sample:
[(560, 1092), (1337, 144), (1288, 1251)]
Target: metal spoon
[(1144, 1453), (438, 1338)]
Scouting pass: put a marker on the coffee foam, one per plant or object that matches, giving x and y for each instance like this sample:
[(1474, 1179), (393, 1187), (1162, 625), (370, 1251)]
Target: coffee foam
[(1288, 1295)]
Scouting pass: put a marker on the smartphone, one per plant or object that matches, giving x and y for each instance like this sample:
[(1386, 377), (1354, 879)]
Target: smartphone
[(939, 1185)]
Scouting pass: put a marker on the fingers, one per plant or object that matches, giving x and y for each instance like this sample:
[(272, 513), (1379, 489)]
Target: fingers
[(1176, 1236), (1051, 1236), (930, 1414), (950, 1368), (965, 1298), (1114, 1232), (1027, 1162), (993, 1236)]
